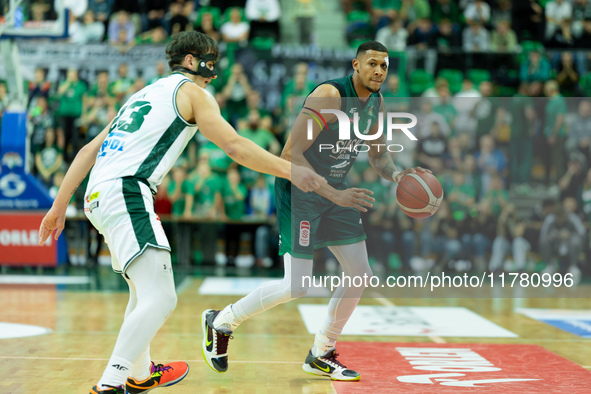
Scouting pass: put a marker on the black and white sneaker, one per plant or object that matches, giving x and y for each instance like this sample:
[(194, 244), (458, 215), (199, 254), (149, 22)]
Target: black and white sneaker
[(215, 342), (328, 365)]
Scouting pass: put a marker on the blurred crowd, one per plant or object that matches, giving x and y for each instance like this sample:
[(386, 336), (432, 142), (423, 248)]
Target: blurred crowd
[(515, 170), (125, 23), (472, 25), (516, 178)]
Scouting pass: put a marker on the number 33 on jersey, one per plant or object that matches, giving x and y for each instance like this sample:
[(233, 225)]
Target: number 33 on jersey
[(147, 136)]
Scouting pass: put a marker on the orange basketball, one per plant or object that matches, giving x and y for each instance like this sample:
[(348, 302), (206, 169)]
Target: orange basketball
[(419, 195)]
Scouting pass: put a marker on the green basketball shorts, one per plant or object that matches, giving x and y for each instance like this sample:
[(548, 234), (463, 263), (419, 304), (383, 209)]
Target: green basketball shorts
[(308, 221)]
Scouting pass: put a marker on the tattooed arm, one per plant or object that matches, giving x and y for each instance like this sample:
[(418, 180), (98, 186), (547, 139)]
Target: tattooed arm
[(381, 160), (55, 219)]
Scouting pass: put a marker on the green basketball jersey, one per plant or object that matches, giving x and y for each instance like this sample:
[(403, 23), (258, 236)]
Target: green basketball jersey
[(332, 157)]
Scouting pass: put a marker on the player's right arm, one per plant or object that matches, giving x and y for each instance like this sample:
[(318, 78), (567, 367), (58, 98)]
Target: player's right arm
[(55, 219), (324, 97), (197, 105)]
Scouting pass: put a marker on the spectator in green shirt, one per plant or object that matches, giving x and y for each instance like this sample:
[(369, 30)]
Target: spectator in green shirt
[(71, 93), (234, 195), (253, 103), (522, 130), (397, 96), (101, 88), (461, 197), (447, 9), (497, 196), (177, 189), (235, 92), (49, 159), (98, 117), (40, 119), (471, 175), (446, 108), (205, 198), (384, 11), (535, 68), (298, 86), (154, 36), (263, 137), (554, 130), (160, 72), (586, 195), (120, 87), (413, 10), (488, 112), (503, 40), (219, 161)]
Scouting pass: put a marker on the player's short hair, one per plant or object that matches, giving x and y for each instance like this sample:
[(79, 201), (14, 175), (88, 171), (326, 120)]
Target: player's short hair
[(370, 46), (189, 42)]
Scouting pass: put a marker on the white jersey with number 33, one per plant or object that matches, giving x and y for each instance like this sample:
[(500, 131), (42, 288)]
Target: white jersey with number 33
[(147, 135)]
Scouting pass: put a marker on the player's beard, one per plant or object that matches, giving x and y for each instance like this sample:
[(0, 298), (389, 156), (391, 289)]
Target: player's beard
[(372, 90)]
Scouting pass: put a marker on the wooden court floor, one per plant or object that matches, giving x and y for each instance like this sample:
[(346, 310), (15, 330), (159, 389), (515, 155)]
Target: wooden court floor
[(265, 355)]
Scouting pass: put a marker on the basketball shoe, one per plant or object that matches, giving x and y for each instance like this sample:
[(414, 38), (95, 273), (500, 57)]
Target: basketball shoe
[(161, 375), (107, 390), (328, 365), (215, 342)]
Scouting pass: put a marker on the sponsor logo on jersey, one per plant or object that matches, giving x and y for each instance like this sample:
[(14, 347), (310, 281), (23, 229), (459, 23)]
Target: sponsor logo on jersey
[(93, 196), (93, 206), (304, 233), (113, 143), (341, 165)]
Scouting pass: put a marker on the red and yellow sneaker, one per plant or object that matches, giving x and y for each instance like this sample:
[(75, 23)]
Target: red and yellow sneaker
[(107, 390), (162, 375)]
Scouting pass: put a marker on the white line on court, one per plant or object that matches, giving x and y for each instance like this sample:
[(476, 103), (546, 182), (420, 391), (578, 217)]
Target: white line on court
[(106, 359), (387, 302), (44, 280)]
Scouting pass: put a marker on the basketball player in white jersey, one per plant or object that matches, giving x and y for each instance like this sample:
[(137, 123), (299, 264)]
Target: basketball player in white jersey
[(131, 156)]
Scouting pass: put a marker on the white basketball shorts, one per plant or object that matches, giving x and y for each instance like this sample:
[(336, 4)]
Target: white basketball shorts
[(122, 210)]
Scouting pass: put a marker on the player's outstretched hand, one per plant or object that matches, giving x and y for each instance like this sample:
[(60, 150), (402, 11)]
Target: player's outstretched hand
[(355, 197), (412, 170), (306, 179), (53, 221)]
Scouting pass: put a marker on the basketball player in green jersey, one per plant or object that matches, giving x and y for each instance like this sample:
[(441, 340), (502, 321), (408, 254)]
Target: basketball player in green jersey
[(129, 159), (329, 217)]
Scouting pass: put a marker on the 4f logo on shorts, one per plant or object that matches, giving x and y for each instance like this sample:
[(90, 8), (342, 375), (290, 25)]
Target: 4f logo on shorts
[(304, 233)]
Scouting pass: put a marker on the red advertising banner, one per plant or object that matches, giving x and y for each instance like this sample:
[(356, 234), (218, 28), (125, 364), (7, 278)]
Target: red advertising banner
[(458, 368), (19, 240)]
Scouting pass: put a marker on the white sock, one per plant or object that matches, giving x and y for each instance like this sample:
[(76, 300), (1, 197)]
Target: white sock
[(153, 286), (353, 259), (271, 293), (323, 344), (116, 372), (141, 368), (226, 320)]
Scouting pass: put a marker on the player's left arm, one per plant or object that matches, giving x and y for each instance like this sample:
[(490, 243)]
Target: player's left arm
[(55, 219), (381, 160)]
